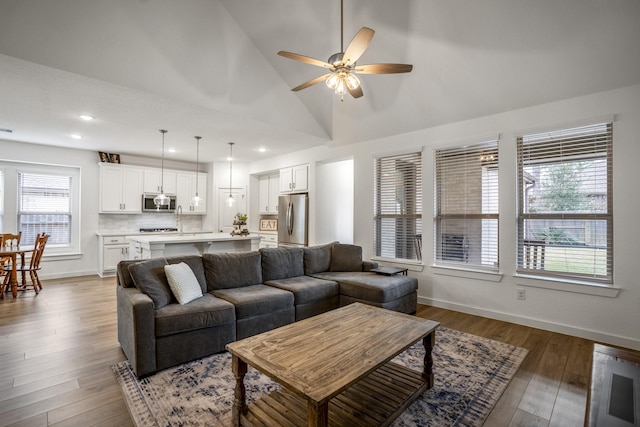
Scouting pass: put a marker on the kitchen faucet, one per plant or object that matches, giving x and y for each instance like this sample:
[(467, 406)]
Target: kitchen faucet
[(179, 218)]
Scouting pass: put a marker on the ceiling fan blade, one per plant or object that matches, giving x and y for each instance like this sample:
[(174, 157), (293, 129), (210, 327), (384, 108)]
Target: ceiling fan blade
[(357, 92), (311, 82), (383, 68), (358, 45), (305, 59)]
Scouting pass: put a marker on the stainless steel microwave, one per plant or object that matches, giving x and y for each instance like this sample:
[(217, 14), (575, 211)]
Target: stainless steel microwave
[(149, 206)]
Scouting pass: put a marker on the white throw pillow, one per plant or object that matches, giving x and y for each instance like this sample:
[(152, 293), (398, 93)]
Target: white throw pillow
[(183, 282)]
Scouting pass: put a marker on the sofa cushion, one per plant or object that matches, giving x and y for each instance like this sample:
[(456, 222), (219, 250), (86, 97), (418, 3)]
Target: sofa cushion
[(317, 258), (232, 270), (281, 263), (204, 312), (149, 277), (346, 257), (195, 262), (372, 287), (256, 300), (182, 282), (306, 289)]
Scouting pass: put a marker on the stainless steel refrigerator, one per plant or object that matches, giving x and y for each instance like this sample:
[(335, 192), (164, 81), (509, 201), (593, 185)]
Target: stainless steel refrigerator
[(292, 220)]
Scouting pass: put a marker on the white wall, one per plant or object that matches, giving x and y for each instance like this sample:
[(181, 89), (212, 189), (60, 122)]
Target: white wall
[(614, 320), (334, 202)]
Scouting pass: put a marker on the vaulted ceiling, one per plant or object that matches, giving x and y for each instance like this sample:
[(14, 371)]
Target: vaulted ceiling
[(209, 68)]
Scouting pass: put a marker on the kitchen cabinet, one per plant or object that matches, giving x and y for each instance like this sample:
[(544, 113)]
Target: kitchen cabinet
[(120, 189), (269, 192), (154, 181), (186, 189), (113, 249), (294, 179), (268, 240)]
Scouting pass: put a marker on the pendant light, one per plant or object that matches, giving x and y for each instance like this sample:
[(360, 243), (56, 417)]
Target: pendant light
[(197, 201), (161, 199), (230, 201)]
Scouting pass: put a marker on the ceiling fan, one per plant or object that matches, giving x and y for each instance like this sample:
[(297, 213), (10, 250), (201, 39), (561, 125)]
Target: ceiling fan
[(342, 66)]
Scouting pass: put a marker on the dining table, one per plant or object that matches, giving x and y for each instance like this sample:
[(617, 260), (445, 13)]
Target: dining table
[(13, 252)]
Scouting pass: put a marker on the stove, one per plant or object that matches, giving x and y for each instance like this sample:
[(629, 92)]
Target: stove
[(158, 230)]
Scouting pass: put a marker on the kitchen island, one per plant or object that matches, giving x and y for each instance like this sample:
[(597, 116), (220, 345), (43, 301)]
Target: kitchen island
[(146, 247)]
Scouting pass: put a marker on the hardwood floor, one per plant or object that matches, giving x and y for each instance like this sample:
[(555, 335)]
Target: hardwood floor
[(57, 349)]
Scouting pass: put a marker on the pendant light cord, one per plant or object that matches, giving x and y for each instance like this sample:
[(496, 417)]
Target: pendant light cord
[(197, 160), (230, 168), (163, 131)]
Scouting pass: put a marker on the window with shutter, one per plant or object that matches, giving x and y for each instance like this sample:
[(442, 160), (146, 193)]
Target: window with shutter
[(398, 207), (466, 206), (565, 218), (44, 206)]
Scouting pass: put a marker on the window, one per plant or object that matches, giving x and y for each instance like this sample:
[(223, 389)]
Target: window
[(565, 219), (44, 206), (42, 198), (398, 207), (466, 206)]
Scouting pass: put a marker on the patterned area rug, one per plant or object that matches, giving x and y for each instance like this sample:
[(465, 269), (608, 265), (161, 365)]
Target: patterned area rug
[(471, 373)]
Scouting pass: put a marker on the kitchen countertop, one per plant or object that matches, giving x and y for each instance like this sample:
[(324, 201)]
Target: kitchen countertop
[(140, 233), (187, 237)]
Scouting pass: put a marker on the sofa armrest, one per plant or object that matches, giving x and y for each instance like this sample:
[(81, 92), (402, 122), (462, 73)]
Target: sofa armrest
[(368, 265), (136, 329)]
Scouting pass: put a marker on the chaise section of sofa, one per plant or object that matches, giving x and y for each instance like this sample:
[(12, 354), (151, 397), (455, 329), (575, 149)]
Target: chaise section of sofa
[(343, 264)]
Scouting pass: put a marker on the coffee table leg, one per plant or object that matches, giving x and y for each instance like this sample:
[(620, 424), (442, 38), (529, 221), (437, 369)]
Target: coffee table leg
[(239, 368), (429, 341), (317, 415)]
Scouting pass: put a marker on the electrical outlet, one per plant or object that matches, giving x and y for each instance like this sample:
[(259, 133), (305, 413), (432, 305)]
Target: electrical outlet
[(520, 294)]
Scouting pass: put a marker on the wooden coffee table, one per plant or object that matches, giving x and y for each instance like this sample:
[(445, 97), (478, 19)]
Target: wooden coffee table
[(335, 368)]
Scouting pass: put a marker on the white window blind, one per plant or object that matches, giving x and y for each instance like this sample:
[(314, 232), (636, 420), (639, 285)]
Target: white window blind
[(466, 205), (398, 207), (44, 205), (565, 215)]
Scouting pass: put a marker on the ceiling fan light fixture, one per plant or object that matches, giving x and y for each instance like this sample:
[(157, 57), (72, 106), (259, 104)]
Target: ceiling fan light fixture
[(352, 81), (332, 81)]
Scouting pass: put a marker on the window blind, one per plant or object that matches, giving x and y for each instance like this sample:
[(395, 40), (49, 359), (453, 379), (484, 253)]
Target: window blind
[(398, 206), (44, 205), (466, 205), (565, 214)]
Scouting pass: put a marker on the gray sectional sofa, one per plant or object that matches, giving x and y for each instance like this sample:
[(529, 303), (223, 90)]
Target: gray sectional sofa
[(244, 294)]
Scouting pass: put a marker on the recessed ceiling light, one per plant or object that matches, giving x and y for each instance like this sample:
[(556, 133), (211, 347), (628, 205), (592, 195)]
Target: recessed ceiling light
[(86, 117), (262, 149), (76, 136), (171, 150)]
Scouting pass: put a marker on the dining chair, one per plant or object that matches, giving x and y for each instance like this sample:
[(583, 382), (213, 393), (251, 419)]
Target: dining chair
[(33, 266), (534, 254), (8, 237)]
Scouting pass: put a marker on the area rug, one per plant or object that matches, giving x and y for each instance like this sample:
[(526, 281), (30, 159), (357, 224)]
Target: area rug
[(471, 373)]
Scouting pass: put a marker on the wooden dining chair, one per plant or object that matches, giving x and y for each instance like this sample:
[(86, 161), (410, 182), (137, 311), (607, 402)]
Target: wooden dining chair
[(33, 266), (8, 237)]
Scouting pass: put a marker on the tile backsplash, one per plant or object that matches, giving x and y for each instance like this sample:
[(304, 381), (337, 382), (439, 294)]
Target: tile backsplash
[(115, 223)]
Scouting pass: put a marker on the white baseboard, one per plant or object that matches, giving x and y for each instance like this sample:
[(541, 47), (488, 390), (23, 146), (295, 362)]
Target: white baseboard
[(50, 276), (600, 337)]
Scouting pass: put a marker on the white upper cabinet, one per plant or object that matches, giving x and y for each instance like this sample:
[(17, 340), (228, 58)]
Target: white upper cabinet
[(294, 179), (154, 179), (120, 189), (186, 189), (269, 192)]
